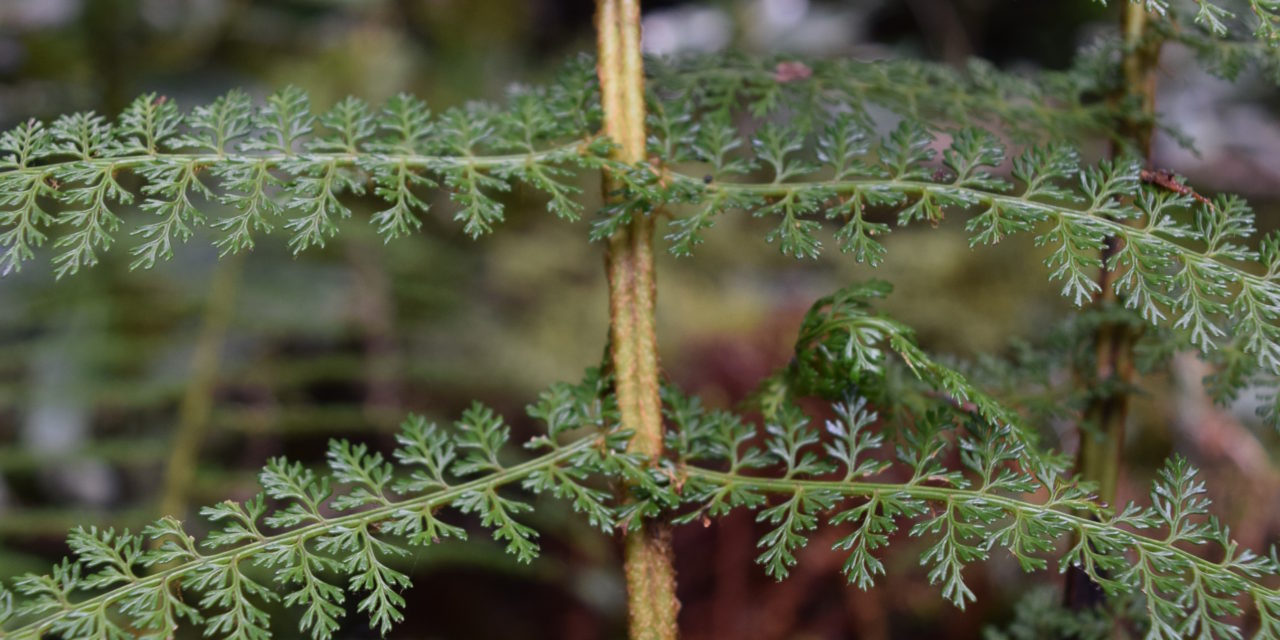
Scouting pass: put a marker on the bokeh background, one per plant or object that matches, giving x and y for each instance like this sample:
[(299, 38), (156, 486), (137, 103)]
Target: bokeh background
[(128, 395)]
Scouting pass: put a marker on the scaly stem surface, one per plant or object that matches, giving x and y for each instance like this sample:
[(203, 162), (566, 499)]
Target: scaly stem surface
[(651, 592)]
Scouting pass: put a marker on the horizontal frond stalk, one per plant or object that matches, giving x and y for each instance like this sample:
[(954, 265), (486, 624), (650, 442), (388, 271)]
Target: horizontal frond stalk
[(998, 520), (245, 169)]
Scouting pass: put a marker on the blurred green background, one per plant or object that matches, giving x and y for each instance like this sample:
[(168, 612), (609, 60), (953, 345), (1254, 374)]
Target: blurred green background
[(125, 395)]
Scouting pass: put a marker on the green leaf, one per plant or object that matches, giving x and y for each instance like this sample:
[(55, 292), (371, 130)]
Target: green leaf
[(146, 126), (793, 518), (347, 125), (282, 123), (481, 434), (366, 472), (215, 127)]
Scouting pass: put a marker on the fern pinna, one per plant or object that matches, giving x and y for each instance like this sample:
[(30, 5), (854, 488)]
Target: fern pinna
[(910, 447), (277, 164), (966, 473)]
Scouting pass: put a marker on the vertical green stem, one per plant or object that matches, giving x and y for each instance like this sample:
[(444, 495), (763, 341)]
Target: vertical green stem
[(651, 585), (197, 398), (1099, 459)]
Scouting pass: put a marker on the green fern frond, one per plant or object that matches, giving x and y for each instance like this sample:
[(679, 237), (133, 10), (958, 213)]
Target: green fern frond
[(1003, 493), (244, 169), (280, 164), (323, 539), (989, 505), (1219, 16), (1201, 278), (694, 90)]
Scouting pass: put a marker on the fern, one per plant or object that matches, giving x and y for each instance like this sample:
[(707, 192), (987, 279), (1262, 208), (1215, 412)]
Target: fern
[(1201, 291), (356, 520), (279, 164), (1005, 493), (913, 445), (320, 539)]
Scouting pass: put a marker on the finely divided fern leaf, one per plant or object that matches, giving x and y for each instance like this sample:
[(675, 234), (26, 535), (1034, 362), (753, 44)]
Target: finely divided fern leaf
[(244, 169), (1200, 278), (878, 468), (323, 538), (1004, 494)]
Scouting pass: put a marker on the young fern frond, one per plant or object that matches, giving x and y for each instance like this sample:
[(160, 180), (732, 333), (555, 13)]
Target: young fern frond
[(967, 479), (322, 539)]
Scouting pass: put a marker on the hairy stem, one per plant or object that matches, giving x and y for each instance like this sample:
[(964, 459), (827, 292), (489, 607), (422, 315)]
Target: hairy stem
[(648, 557), (1099, 458)]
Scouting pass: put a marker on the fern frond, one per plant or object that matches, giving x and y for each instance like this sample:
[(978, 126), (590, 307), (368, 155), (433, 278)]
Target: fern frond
[(322, 538), (1027, 107), (971, 515), (1200, 278), (1003, 492), (280, 164), (1218, 16)]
